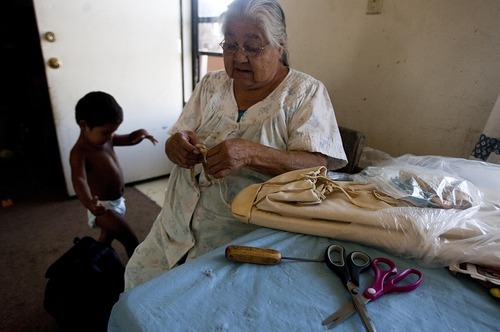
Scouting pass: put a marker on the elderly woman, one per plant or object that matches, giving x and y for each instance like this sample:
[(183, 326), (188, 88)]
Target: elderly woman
[(256, 119)]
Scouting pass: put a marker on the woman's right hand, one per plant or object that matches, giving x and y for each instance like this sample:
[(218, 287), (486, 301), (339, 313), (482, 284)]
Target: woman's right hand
[(181, 150)]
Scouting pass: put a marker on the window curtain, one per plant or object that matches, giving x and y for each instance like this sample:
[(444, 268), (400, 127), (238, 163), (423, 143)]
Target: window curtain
[(488, 146)]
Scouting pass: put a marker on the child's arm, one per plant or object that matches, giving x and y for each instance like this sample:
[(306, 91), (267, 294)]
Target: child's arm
[(79, 180), (133, 138)]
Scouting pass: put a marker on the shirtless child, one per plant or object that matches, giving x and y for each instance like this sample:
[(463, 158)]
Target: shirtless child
[(95, 172)]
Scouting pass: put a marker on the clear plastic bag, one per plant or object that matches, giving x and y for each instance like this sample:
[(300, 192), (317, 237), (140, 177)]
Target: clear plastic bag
[(465, 229), (422, 187)]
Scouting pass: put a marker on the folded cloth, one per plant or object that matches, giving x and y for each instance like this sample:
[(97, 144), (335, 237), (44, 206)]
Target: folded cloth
[(307, 201)]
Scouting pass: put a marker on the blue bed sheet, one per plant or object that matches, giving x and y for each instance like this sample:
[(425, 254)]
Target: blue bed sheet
[(211, 293)]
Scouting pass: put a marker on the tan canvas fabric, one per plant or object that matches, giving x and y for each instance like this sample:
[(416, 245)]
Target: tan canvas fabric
[(307, 201)]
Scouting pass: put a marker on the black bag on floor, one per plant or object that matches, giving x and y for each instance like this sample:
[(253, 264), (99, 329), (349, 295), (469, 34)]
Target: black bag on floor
[(83, 286)]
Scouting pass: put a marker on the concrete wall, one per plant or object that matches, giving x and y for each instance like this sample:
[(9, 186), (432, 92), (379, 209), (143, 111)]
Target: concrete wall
[(419, 78)]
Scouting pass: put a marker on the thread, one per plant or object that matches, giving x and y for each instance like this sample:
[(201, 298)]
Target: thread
[(211, 180)]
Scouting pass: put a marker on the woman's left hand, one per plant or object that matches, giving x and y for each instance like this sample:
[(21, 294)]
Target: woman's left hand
[(229, 156)]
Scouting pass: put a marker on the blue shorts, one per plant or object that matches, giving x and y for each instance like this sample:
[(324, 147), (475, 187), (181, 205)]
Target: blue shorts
[(118, 205)]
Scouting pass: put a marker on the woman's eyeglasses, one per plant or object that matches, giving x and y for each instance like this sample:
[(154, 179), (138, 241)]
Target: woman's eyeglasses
[(249, 50)]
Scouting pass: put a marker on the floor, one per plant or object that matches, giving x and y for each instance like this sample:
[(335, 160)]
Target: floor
[(154, 189)]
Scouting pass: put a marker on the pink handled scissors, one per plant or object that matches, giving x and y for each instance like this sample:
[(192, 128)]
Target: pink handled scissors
[(387, 280)]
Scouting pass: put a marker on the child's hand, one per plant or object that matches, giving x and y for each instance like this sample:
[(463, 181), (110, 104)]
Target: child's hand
[(97, 209), (138, 135), (151, 138)]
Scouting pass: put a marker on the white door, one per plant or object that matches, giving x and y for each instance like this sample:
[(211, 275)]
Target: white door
[(130, 49)]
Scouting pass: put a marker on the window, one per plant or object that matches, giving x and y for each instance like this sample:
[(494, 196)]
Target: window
[(206, 29)]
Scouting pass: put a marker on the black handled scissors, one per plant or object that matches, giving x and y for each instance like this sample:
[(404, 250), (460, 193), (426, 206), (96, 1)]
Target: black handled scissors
[(387, 280), (348, 268)]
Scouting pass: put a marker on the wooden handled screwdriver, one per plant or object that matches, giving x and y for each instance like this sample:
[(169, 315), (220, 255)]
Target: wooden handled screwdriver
[(262, 256)]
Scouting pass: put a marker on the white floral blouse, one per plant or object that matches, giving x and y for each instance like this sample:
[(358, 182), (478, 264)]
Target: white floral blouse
[(196, 217)]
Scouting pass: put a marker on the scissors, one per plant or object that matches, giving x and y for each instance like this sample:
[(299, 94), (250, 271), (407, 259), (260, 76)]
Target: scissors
[(348, 268), (386, 281)]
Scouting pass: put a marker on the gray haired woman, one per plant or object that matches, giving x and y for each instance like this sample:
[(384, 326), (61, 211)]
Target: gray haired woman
[(255, 119)]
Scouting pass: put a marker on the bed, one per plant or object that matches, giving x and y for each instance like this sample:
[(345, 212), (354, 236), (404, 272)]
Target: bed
[(212, 293)]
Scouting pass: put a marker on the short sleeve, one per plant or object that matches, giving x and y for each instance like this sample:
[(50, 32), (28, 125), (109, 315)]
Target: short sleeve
[(313, 125)]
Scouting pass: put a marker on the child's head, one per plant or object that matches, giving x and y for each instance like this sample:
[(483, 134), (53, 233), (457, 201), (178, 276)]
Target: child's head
[(98, 109)]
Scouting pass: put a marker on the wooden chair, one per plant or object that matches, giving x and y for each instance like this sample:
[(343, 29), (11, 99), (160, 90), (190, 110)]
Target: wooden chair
[(353, 142)]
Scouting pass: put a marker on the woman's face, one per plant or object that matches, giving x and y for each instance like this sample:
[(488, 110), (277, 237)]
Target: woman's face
[(250, 71)]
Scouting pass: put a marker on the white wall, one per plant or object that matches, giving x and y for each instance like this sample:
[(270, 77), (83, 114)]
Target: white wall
[(420, 78)]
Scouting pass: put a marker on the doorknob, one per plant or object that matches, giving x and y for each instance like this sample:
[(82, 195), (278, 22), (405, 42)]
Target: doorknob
[(50, 36), (54, 63)]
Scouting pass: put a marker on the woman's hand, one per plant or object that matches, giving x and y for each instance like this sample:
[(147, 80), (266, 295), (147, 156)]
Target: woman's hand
[(181, 150), (229, 156)]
